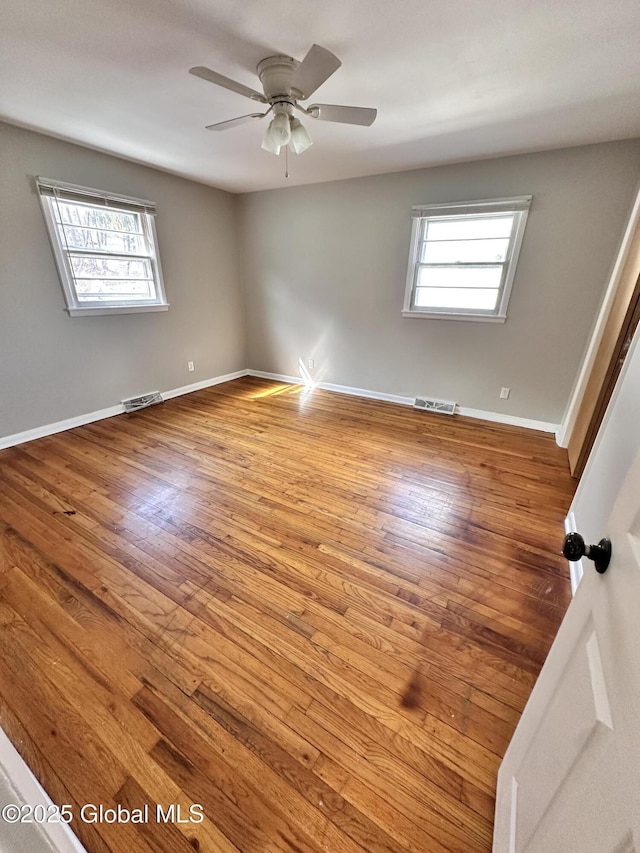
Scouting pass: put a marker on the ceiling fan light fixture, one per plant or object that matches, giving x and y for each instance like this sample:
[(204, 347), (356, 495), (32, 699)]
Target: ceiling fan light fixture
[(279, 130), (269, 145), (300, 139)]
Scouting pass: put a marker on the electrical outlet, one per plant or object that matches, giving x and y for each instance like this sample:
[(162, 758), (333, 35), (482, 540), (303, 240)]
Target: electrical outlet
[(190, 366), (504, 393), (310, 364)]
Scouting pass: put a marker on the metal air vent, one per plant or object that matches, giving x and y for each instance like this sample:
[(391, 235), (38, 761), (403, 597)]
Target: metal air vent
[(134, 404), (426, 404)]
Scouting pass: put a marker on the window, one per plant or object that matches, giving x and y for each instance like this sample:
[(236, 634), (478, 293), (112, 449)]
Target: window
[(105, 249), (463, 259)]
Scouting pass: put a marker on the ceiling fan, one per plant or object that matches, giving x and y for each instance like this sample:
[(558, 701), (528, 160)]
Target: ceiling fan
[(286, 82)]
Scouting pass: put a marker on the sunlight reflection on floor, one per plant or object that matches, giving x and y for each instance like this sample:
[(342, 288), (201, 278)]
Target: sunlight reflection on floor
[(274, 392), (304, 388)]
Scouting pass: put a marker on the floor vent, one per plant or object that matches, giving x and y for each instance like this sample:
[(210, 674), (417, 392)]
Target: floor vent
[(445, 407), (134, 404)]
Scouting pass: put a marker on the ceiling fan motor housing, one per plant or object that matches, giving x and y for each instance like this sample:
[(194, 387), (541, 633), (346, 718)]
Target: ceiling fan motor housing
[(276, 73)]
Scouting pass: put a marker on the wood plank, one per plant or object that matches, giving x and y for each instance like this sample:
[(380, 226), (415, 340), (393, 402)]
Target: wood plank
[(318, 616)]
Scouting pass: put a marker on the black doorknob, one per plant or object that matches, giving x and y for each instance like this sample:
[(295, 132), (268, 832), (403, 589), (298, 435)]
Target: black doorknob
[(574, 549)]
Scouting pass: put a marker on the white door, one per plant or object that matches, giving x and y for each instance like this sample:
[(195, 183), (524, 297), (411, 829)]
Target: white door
[(570, 780)]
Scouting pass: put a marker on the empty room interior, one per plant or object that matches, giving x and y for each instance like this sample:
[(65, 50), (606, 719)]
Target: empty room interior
[(319, 426)]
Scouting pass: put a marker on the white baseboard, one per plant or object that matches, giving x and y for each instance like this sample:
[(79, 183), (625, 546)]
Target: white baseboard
[(512, 420), (101, 414), (563, 434), (339, 389), (277, 377), (22, 788), (362, 392), (496, 417), (59, 426), (206, 383)]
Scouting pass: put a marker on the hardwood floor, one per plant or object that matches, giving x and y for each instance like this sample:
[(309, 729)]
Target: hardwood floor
[(317, 616)]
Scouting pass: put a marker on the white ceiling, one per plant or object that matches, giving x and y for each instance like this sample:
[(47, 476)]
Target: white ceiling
[(452, 80)]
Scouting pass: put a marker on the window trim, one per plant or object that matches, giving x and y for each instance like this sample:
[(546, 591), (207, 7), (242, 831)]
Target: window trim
[(48, 191), (518, 205)]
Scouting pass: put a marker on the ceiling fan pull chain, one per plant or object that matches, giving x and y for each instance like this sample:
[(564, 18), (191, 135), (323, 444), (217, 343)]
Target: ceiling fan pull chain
[(286, 161)]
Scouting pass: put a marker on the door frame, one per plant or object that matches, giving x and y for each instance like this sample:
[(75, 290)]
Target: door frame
[(600, 388), (585, 408)]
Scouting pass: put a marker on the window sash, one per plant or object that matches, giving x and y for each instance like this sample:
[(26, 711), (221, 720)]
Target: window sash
[(423, 240), (52, 192), (123, 299), (117, 256), (423, 215), (480, 286), (49, 188), (468, 208)]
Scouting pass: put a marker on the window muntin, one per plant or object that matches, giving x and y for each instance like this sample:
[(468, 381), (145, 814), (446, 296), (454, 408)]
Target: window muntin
[(463, 258), (105, 250)]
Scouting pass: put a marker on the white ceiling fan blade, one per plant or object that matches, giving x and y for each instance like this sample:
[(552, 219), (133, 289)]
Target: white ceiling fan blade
[(345, 115), (234, 122), (227, 83), (317, 66)]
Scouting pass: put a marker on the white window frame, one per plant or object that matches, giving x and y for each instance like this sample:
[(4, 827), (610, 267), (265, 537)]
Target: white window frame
[(50, 192), (422, 214)]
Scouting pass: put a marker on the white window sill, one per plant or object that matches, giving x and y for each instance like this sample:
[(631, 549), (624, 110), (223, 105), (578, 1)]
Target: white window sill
[(441, 315), (115, 309)]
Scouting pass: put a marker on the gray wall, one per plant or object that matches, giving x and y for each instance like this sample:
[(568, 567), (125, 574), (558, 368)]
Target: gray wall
[(324, 269), (54, 367)]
